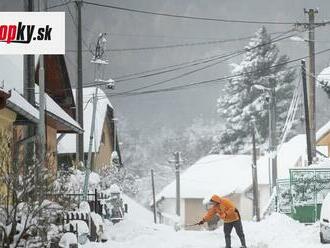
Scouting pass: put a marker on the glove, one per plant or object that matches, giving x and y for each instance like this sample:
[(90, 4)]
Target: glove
[(201, 222)]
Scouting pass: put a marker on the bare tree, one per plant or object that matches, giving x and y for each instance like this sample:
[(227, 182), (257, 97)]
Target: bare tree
[(24, 209)]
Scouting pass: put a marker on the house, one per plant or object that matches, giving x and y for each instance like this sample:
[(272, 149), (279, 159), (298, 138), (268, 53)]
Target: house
[(15, 112), (323, 134), (226, 175), (105, 137), (14, 108), (59, 107), (229, 176), (323, 137)]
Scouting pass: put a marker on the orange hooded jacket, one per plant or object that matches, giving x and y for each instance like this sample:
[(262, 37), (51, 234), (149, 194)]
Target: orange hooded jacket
[(226, 210)]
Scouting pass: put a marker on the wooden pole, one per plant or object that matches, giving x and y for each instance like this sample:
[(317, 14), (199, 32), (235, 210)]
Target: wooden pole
[(153, 195)]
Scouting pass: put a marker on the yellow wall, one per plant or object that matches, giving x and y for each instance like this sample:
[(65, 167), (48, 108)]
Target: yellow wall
[(51, 155), (7, 117)]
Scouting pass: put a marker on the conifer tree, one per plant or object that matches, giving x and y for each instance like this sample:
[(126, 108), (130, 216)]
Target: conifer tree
[(245, 95)]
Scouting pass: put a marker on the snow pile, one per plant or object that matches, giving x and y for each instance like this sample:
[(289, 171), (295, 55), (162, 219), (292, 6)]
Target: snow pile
[(84, 207), (114, 188), (67, 239), (97, 219), (279, 230), (138, 230), (80, 224)]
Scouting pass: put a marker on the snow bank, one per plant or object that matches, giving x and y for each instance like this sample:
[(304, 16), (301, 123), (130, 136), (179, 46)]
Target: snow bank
[(67, 239), (280, 231), (114, 188), (84, 207), (82, 226), (137, 230)]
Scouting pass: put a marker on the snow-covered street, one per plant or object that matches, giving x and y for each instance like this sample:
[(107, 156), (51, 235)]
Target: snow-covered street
[(138, 230)]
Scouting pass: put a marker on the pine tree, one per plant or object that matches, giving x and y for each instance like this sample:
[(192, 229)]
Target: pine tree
[(245, 96)]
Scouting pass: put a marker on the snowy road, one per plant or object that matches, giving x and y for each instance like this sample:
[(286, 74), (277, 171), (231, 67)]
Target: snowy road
[(138, 231)]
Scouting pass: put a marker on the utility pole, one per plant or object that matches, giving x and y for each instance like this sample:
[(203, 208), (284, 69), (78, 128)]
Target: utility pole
[(42, 103), (79, 87), (29, 81), (308, 133), (42, 107), (29, 73), (90, 147), (177, 159), (41, 124), (272, 131), (153, 195), (256, 208), (311, 77), (177, 162), (99, 62)]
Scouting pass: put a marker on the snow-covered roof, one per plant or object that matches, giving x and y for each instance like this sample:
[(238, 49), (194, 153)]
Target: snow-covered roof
[(68, 143), (288, 156), (324, 130), (226, 174), (213, 174), (11, 71), (54, 110), (324, 75), (20, 105)]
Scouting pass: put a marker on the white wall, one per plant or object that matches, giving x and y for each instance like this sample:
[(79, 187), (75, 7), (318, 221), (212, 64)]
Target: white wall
[(264, 196), (168, 206), (245, 207)]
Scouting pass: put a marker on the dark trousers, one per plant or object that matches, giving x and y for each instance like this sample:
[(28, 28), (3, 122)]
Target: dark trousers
[(228, 227)]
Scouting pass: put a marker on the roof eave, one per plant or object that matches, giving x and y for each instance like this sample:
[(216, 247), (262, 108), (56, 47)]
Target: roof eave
[(75, 129), (22, 112)]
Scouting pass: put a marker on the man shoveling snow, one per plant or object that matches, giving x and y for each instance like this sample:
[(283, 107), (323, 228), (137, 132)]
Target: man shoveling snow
[(227, 211)]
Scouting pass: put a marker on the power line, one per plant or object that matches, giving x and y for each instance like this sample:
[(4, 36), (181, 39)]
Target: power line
[(74, 21), (206, 82), (170, 68), (127, 77), (189, 17), (201, 43), (224, 57), (59, 5), (187, 44)]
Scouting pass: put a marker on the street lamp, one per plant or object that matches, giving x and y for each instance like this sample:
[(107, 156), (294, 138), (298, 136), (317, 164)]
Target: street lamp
[(272, 147)]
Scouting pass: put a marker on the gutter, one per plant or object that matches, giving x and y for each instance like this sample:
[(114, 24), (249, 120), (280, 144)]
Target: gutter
[(19, 110)]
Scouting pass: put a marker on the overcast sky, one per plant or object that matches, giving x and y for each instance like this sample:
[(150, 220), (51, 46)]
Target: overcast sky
[(134, 30)]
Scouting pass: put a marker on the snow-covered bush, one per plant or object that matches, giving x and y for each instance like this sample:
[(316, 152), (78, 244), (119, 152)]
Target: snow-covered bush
[(121, 177), (26, 212), (72, 181)]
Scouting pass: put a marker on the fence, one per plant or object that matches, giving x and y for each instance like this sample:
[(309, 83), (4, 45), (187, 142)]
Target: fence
[(308, 187)]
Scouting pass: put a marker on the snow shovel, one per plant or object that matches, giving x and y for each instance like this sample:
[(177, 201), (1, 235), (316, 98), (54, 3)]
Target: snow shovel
[(191, 225)]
